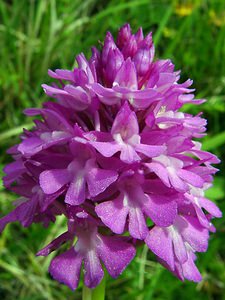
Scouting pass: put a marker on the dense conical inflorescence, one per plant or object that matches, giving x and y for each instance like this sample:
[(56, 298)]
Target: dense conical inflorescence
[(110, 153)]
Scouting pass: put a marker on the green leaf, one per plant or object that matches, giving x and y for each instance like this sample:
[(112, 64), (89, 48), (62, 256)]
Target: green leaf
[(214, 142)]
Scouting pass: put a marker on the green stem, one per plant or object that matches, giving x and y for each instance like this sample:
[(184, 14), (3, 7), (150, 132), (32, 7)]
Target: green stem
[(14, 131), (97, 293)]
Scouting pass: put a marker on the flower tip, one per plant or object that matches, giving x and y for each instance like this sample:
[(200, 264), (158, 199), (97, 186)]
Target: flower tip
[(45, 87), (139, 35), (125, 29), (43, 252), (52, 74), (124, 35), (109, 40)]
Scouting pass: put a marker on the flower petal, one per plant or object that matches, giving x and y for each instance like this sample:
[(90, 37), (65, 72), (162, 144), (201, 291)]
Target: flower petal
[(107, 149), (210, 207), (55, 244), (53, 180), (137, 224), (126, 121), (30, 145), (116, 254), (179, 246), (113, 214), (99, 180), (150, 150), (160, 171), (159, 241), (175, 180), (25, 212), (162, 210), (77, 190), (128, 154), (126, 76), (66, 268), (190, 177), (93, 269), (11, 217), (190, 270), (193, 232)]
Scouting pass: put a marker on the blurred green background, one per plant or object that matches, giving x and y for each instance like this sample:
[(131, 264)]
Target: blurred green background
[(42, 34)]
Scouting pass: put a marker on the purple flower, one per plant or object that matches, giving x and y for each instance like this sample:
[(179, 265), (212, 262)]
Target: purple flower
[(111, 152), (90, 248)]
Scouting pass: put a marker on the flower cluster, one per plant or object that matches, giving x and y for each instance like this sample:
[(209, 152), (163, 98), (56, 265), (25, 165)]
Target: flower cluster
[(114, 154)]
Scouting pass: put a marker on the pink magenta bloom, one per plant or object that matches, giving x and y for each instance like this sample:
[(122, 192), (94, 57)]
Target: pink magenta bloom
[(112, 151)]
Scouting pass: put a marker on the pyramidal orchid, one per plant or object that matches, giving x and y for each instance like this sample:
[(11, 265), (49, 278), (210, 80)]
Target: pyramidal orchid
[(112, 151)]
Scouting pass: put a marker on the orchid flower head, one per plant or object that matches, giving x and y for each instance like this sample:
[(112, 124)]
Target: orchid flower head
[(110, 152)]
